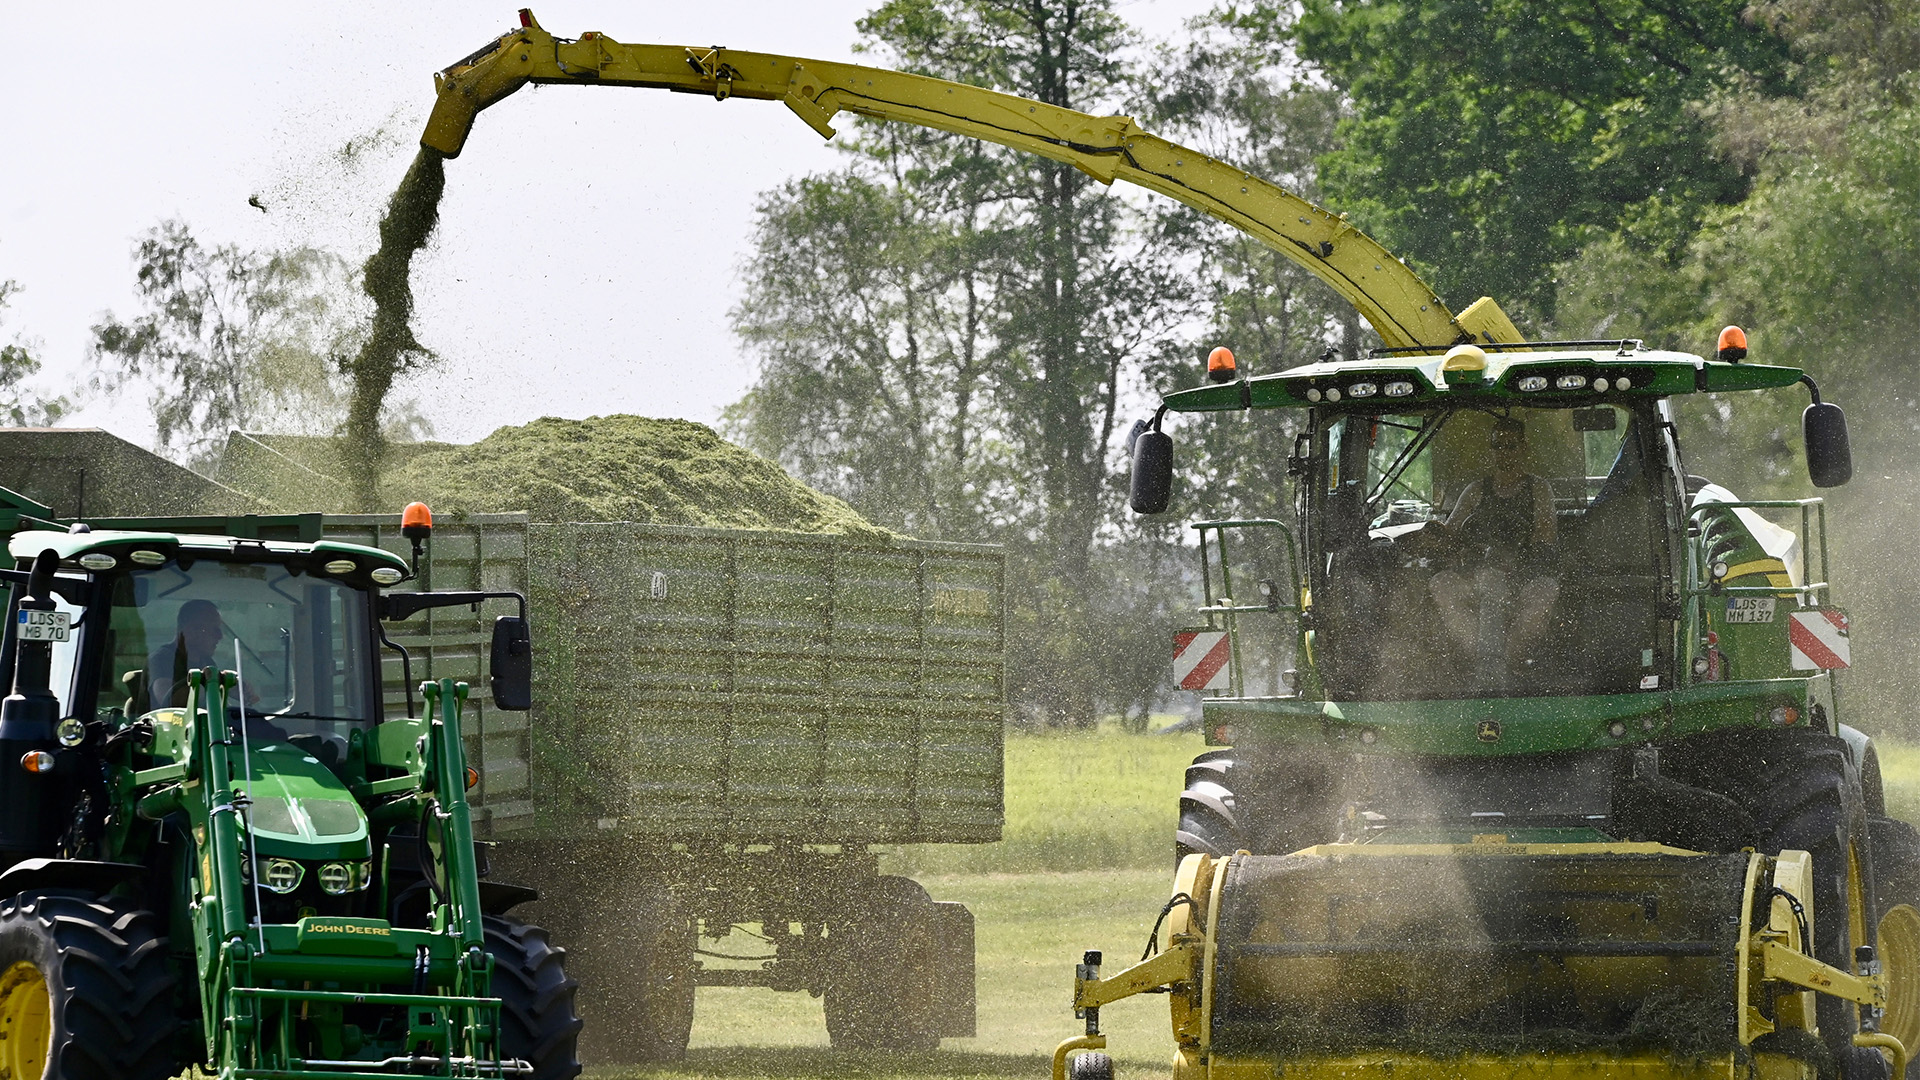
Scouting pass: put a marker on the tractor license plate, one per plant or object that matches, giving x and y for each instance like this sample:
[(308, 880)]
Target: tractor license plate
[(1750, 609), (45, 625)]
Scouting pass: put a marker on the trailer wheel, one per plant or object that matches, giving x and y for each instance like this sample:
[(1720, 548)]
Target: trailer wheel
[(880, 991), (537, 1023), (85, 990), (1209, 822)]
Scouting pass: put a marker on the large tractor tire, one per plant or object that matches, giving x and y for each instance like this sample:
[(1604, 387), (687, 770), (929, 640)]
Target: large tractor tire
[(881, 990), (85, 990), (537, 1023), (1803, 796), (1267, 807), (1896, 863), (1209, 818)]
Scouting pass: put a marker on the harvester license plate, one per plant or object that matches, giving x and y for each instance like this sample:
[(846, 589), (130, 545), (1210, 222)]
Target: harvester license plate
[(1750, 609), (45, 625)]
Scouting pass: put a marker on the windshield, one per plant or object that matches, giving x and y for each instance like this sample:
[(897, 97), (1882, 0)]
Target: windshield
[(298, 642), (1467, 552)]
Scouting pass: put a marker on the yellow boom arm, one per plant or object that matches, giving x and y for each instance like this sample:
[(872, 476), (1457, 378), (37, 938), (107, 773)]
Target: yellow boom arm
[(1401, 308)]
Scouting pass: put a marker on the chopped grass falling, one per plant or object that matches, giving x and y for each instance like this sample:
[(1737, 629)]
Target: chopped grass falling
[(390, 349)]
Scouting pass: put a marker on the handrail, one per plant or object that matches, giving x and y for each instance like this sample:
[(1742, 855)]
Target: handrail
[(1227, 610)]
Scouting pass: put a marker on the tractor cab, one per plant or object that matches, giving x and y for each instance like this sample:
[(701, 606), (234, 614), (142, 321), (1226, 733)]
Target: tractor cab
[(1483, 524), (1475, 549), (294, 622)]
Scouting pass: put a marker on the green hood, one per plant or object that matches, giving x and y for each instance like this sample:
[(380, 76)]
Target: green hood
[(300, 810)]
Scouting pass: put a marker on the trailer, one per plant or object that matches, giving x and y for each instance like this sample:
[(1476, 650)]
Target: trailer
[(728, 726)]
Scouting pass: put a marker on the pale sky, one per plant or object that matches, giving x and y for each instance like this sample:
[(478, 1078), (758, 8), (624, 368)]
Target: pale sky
[(589, 242)]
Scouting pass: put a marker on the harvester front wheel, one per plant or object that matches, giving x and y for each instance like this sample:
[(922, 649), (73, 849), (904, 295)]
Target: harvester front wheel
[(536, 998), (1803, 797), (1209, 820), (880, 992), (85, 991)]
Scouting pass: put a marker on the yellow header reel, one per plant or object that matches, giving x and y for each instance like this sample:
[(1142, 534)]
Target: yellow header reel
[(1450, 960)]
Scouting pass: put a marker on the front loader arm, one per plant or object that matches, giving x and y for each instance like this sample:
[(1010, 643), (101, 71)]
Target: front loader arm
[(1400, 306)]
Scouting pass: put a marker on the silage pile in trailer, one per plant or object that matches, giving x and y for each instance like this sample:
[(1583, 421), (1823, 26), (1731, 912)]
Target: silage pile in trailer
[(615, 468)]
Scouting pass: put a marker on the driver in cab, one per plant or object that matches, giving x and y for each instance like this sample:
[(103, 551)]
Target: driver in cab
[(199, 632), (1502, 531)]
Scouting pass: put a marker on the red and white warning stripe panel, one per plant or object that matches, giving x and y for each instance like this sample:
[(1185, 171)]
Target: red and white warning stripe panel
[(1818, 640), (1200, 659)]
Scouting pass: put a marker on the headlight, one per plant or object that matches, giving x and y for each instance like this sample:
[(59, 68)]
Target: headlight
[(339, 878), (1362, 390), (280, 875), (1399, 389), (1530, 383), (1570, 382)]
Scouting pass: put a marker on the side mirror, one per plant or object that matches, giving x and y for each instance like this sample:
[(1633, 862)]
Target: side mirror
[(1829, 455), (510, 665), (1152, 483)]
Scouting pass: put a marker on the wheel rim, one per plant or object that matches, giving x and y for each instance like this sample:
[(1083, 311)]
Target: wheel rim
[(1899, 940), (26, 1022)]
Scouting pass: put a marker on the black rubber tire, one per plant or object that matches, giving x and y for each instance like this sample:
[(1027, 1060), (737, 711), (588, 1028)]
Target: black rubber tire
[(1803, 795), (1090, 1066), (110, 985), (882, 968), (1209, 811), (537, 1022), (1896, 864)]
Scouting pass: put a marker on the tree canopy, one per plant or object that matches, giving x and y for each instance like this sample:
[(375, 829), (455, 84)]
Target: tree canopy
[(1488, 140)]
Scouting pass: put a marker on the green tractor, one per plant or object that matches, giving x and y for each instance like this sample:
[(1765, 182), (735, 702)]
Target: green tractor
[(1528, 745), (221, 846)]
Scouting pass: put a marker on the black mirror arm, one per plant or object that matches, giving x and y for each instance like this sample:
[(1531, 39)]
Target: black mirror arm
[(399, 606), (1812, 387)]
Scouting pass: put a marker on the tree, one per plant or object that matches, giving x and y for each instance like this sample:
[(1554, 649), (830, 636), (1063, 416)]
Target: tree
[(229, 339), (868, 315), (1492, 139), (1085, 294), (947, 331), (18, 405)]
